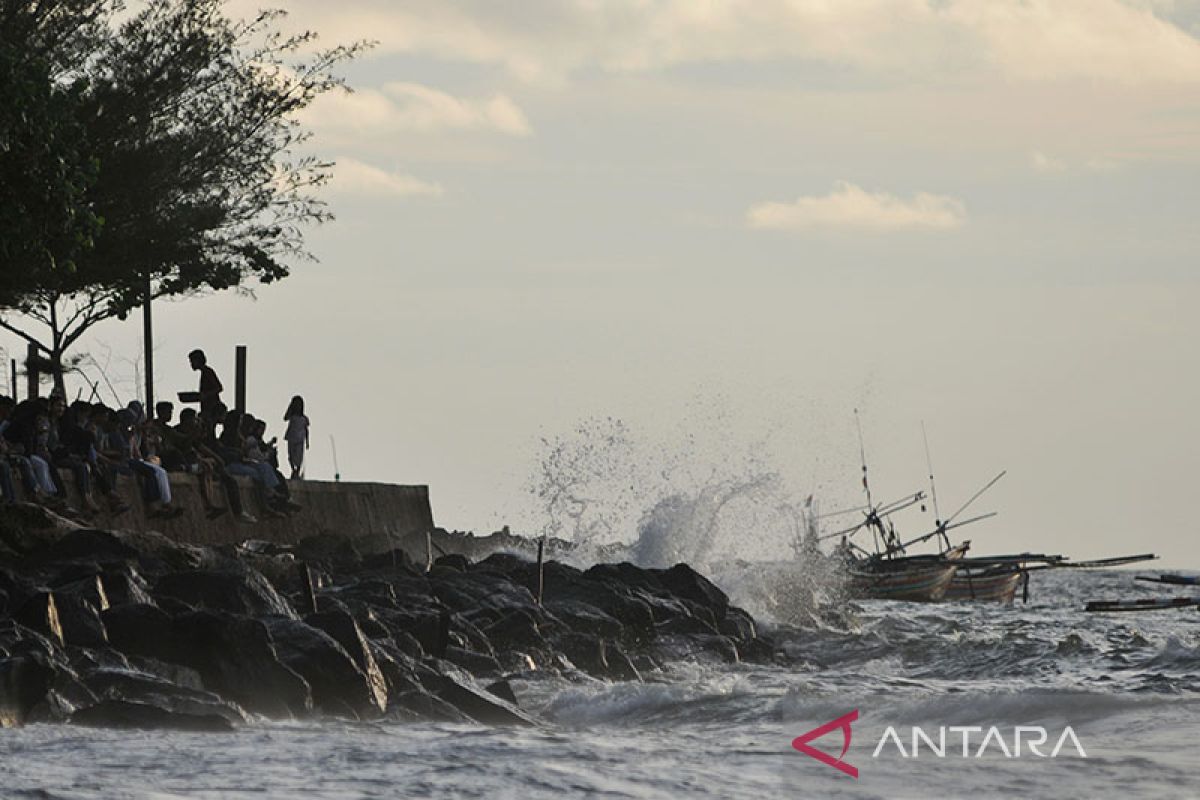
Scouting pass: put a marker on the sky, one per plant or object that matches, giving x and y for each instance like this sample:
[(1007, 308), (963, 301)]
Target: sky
[(726, 226)]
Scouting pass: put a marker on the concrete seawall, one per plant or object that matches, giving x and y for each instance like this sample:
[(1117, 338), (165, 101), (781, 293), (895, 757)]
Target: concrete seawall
[(350, 510)]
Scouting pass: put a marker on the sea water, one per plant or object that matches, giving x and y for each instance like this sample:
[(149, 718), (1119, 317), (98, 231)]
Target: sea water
[(1128, 686)]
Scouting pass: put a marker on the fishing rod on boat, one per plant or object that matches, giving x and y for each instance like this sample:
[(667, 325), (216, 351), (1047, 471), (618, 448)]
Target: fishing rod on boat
[(941, 530), (877, 515), (937, 516), (862, 456), (976, 496)]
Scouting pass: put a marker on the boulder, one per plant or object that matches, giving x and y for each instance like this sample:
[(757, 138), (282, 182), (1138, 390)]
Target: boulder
[(338, 686), (140, 687), (141, 629), (123, 714), (24, 682), (40, 613), (237, 591), (684, 582), (346, 632), (237, 659), (477, 704)]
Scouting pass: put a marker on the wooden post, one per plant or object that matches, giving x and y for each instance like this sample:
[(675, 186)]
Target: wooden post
[(239, 380), (32, 376), (14, 380), (428, 550), (541, 584), (148, 347)]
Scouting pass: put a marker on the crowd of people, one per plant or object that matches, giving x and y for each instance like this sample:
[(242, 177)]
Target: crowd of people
[(43, 438)]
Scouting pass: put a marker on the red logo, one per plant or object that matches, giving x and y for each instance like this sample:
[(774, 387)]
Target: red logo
[(843, 722)]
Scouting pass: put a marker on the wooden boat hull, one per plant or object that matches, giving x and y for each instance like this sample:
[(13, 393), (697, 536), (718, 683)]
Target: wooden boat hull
[(986, 586), (918, 583)]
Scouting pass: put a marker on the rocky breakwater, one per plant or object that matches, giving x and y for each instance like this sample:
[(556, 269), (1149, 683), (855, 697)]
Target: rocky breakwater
[(133, 629)]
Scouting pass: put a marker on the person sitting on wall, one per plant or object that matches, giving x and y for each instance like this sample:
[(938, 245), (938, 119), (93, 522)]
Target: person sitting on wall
[(22, 435), (11, 457), (199, 432), (127, 440), (77, 448), (210, 384), (179, 455), (62, 454), (259, 450), (232, 448)]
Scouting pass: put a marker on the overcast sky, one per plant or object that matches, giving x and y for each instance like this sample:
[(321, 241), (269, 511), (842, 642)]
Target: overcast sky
[(729, 224)]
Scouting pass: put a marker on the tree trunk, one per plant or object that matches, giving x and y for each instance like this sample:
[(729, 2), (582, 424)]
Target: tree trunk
[(56, 371)]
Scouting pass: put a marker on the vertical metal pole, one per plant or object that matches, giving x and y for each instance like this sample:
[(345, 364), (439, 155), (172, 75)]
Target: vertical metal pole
[(148, 347), (33, 377), (239, 380)]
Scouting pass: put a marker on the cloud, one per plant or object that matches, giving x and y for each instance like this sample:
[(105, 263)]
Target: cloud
[(1044, 163), (351, 176), (849, 207), (1049, 164), (550, 40), (411, 107)]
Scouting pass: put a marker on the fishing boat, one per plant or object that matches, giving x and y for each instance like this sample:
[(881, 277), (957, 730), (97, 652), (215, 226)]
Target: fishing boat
[(919, 579), (993, 583)]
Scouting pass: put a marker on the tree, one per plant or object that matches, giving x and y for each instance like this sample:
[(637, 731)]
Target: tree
[(44, 172), (200, 185)]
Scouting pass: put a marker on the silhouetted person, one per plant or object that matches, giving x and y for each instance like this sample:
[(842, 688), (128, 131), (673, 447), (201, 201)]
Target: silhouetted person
[(296, 435), (210, 384)]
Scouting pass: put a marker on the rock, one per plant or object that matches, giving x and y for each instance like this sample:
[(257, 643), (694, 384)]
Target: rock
[(476, 704), (245, 592), (696, 647), (454, 561), (583, 618), (140, 687), (518, 629), (140, 629), (80, 621), (328, 551), (237, 659), (125, 586), (346, 632), (503, 689), (684, 582), (123, 714), (15, 590), (502, 563), (86, 545), (586, 652), (338, 686), (40, 613), (620, 666), (391, 562), (474, 663), (24, 682), (422, 705)]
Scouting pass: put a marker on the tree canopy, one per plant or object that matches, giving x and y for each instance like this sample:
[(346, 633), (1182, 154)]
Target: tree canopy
[(169, 157)]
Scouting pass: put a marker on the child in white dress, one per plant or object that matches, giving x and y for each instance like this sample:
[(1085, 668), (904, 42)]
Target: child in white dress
[(296, 435)]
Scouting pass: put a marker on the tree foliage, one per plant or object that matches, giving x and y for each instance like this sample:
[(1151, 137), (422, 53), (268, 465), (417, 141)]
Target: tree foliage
[(183, 160)]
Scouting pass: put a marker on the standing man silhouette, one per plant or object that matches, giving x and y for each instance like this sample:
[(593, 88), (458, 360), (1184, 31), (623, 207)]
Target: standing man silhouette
[(210, 384)]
